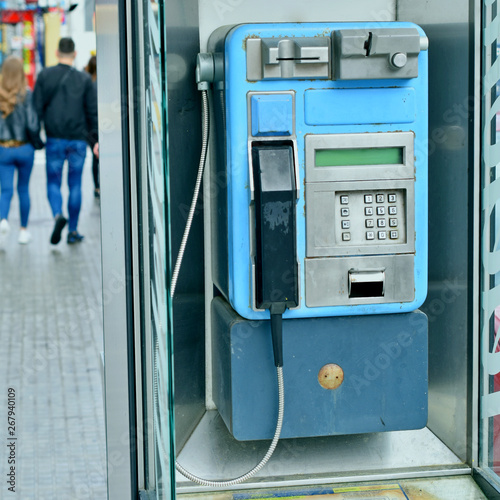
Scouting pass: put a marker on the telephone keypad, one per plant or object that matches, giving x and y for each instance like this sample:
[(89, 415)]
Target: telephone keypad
[(361, 207)]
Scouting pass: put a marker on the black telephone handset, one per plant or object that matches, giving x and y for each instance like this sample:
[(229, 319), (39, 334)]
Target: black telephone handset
[(277, 285)]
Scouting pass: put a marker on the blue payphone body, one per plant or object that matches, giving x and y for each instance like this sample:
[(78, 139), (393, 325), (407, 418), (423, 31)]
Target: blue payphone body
[(319, 204), (343, 106)]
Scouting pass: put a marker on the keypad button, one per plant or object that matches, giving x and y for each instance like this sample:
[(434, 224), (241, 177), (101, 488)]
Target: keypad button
[(381, 222), (368, 211), (393, 235), (346, 224), (380, 198), (393, 222), (393, 210), (382, 235), (346, 236), (392, 198), (370, 235), (370, 223), (344, 212), (344, 200), (380, 210), (368, 198)]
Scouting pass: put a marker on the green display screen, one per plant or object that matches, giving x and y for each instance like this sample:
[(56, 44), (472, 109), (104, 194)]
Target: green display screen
[(361, 156)]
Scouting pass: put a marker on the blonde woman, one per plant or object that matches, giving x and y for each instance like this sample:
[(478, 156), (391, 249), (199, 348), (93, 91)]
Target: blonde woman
[(19, 126)]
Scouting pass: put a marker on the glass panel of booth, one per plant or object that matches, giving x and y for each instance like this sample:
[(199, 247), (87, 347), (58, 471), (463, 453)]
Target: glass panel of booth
[(150, 106), (489, 439)]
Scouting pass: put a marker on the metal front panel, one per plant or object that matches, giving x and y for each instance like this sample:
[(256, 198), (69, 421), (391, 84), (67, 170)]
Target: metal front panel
[(327, 280), (288, 58), (353, 47), (335, 210), (405, 170)]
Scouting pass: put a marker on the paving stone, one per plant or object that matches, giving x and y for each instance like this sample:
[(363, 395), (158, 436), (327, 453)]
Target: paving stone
[(50, 345)]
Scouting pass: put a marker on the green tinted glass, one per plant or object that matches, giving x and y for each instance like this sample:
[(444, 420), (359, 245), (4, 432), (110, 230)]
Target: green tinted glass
[(364, 156)]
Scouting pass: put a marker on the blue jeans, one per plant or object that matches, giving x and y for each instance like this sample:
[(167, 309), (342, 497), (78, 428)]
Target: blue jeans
[(56, 152), (20, 158)]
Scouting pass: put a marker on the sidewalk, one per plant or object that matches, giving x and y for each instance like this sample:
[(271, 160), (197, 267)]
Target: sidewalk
[(50, 353)]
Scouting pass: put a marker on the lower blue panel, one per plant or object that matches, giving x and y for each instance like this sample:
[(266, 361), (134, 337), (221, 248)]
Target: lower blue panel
[(383, 359)]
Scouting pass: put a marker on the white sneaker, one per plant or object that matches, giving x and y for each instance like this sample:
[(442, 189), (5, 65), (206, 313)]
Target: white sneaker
[(24, 237), (4, 226)]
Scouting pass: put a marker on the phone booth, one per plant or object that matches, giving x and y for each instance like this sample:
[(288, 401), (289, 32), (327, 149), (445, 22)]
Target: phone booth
[(302, 259)]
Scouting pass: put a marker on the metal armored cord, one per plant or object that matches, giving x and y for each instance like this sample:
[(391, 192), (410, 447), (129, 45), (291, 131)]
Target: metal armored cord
[(173, 284)]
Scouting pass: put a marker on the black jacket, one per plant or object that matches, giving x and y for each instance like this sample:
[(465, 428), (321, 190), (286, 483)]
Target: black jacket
[(66, 102), (22, 124)]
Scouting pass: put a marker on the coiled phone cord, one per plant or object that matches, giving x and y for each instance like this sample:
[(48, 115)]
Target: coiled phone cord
[(173, 284)]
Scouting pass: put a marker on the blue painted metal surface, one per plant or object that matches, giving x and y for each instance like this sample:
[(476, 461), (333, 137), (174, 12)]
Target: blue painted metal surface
[(321, 107), (350, 106), (272, 114), (384, 360)]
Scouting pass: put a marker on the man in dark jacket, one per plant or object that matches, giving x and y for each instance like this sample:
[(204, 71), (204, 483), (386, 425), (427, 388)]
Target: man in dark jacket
[(66, 102)]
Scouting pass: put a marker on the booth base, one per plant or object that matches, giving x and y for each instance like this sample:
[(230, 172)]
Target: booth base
[(212, 453), (442, 488)]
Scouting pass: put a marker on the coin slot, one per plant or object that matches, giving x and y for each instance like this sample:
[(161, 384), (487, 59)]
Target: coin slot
[(365, 284)]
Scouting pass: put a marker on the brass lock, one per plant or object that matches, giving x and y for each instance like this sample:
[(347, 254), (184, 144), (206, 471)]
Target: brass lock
[(331, 376)]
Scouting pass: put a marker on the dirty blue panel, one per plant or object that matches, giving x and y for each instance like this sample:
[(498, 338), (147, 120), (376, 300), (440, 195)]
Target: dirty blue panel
[(373, 106), (272, 114), (359, 106), (384, 360)]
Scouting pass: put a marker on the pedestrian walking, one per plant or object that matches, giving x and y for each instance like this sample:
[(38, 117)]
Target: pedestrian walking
[(66, 102), (91, 69), (19, 133)]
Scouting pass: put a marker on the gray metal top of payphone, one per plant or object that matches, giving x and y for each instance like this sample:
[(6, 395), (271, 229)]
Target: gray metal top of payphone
[(348, 54)]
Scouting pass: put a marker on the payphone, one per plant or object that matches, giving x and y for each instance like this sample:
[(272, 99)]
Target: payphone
[(342, 110), (319, 218)]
